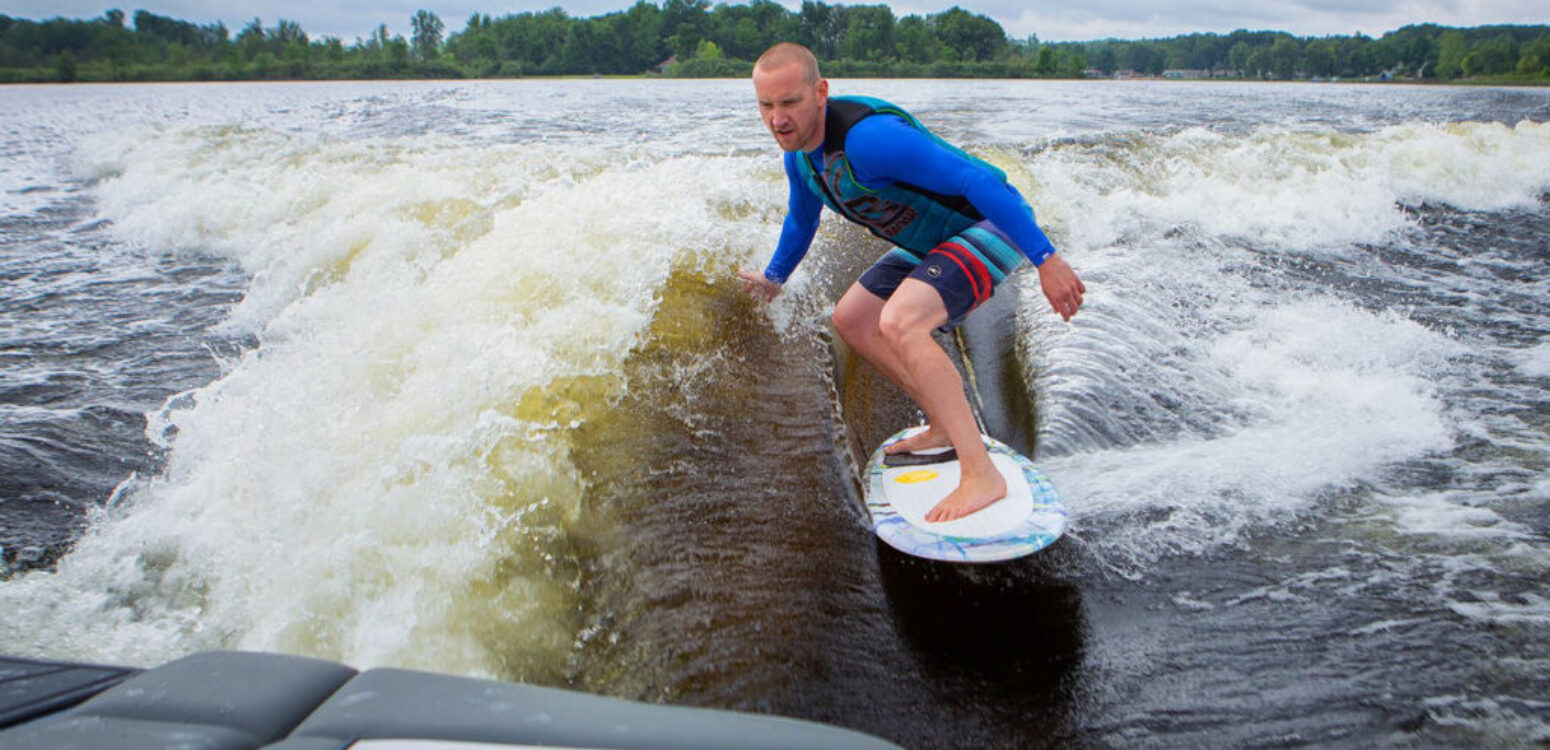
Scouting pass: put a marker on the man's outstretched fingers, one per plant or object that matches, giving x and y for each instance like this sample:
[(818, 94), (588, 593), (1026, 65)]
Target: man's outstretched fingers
[(759, 287)]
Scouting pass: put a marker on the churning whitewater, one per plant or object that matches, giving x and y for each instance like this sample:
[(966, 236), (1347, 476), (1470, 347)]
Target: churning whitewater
[(478, 384)]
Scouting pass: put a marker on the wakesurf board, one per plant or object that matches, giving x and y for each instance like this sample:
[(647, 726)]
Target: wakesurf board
[(901, 489)]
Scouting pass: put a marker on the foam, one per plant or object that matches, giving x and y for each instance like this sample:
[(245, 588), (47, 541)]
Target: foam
[(1489, 721), (1450, 517), (1534, 361), (1323, 395), (385, 480), (1289, 190), (1197, 399)]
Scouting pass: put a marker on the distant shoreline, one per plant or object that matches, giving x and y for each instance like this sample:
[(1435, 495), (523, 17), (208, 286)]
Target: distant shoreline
[(1483, 82), (721, 41)]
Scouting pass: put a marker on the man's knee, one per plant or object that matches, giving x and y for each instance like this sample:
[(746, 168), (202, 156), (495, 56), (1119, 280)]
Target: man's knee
[(898, 327), (852, 320), (911, 313)]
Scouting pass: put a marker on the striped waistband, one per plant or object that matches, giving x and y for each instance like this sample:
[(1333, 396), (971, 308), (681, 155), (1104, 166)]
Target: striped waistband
[(986, 242)]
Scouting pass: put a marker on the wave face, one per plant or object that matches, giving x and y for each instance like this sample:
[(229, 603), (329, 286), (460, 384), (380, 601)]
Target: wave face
[(390, 467), (1274, 311), (485, 398)]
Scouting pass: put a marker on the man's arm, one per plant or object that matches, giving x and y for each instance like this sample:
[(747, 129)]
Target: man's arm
[(887, 148), (803, 211)]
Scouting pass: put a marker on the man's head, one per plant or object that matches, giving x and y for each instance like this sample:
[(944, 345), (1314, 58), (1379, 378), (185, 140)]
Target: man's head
[(792, 96)]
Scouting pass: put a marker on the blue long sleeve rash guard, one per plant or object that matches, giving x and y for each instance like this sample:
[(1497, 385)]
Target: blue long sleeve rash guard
[(883, 149)]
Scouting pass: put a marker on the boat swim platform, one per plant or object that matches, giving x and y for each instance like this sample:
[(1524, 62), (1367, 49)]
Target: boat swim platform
[(232, 700)]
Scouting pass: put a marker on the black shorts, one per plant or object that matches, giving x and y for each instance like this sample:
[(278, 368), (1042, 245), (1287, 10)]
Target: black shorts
[(964, 270)]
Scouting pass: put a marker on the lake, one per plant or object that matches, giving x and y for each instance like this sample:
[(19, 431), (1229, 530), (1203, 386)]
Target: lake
[(457, 376)]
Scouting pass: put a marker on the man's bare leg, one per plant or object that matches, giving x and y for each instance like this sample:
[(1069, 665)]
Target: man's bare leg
[(857, 318), (905, 324)]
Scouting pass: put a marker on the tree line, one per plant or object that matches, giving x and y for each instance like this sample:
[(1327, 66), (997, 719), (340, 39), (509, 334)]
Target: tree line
[(694, 38), (1425, 52)]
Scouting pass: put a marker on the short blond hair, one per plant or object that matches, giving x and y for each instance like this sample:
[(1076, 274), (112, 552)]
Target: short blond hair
[(785, 53)]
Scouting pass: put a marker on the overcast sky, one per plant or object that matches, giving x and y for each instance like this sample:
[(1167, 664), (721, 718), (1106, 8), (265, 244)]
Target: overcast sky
[(1052, 20)]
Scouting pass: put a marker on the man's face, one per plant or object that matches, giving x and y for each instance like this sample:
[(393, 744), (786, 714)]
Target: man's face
[(792, 108)]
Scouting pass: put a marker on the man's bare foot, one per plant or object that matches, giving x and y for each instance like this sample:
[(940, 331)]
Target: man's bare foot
[(920, 441), (973, 493)]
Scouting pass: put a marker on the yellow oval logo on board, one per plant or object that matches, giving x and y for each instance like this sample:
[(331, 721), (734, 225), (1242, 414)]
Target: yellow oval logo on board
[(916, 477)]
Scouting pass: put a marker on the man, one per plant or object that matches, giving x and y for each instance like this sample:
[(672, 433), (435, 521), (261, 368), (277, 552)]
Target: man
[(958, 228)]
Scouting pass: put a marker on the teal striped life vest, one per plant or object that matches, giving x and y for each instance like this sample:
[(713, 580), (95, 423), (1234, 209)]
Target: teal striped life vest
[(911, 217)]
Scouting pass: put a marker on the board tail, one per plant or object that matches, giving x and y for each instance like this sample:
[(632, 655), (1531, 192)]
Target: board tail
[(893, 460)]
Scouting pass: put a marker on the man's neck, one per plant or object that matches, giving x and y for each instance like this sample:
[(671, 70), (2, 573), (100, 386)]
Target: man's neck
[(823, 127)]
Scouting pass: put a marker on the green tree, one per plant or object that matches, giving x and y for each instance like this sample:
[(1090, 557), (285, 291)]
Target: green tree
[(1073, 63), (685, 23), (1102, 58), (288, 31), (476, 45), (1360, 55), (1046, 64), (397, 53), (251, 40), (1534, 57), (64, 67), (855, 40), (869, 33), (1026, 48), (1452, 47), (581, 52), (427, 34), (825, 28), (1259, 62), (914, 42), (1321, 57), (175, 55), (745, 31), (1143, 57), (1412, 48), (150, 27), (973, 37), (1500, 55), (745, 37), (296, 56), (1530, 65), (639, 32), (1206, 52), (1238, 58), (1285, 57), (333, 50)]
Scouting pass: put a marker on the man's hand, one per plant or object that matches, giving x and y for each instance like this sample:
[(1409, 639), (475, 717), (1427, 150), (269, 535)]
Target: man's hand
[(758, 287), (1061, 286)]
